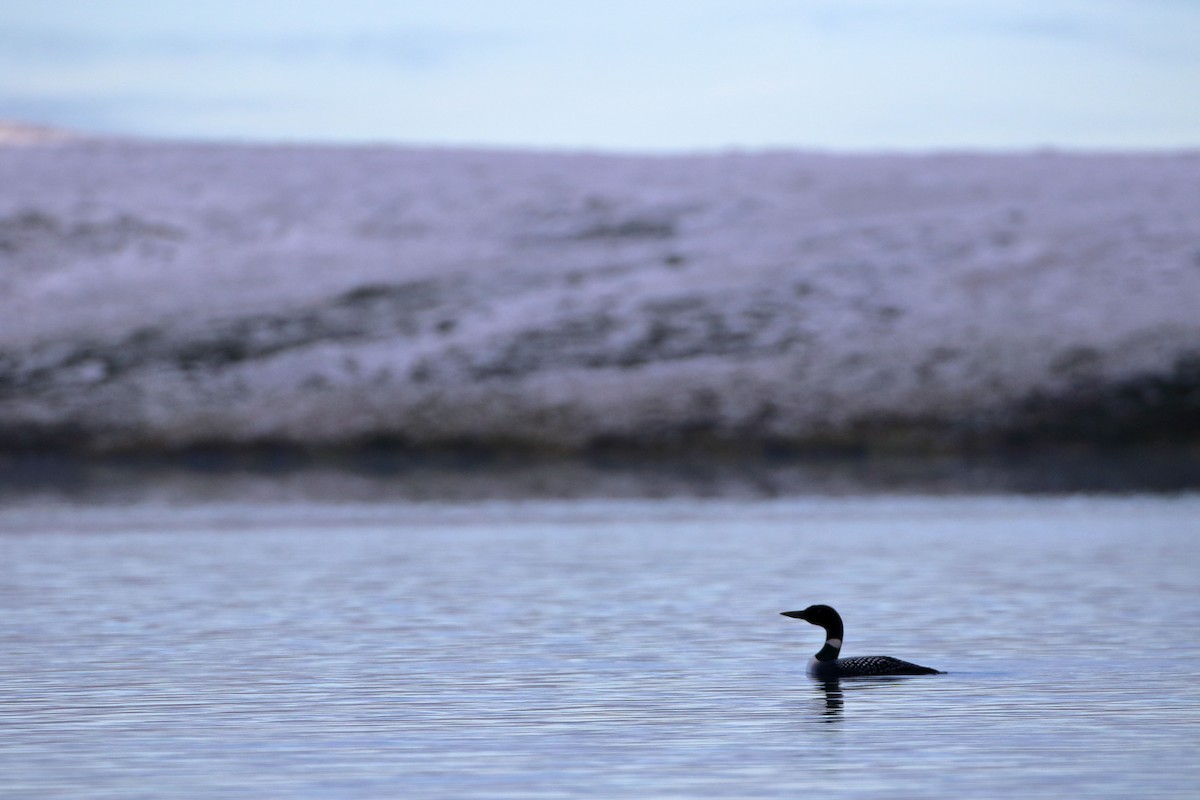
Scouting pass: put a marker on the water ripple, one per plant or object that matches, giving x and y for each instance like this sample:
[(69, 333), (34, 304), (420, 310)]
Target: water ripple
[(636, 653)]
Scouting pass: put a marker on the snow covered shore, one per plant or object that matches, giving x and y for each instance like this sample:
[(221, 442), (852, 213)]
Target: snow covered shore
[(162, 295)]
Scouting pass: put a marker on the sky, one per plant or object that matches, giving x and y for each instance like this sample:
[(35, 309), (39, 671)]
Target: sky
[(627, 75)]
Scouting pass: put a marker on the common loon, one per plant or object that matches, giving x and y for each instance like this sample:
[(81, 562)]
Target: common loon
[(826, 665)]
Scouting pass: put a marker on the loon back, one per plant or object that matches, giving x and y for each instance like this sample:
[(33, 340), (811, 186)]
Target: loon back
[(826, 665), (864, 666)]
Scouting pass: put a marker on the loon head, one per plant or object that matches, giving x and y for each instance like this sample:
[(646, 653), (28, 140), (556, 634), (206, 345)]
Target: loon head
[(822, 616)]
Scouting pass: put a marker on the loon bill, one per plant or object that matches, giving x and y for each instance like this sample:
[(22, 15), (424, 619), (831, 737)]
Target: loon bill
[(826, 665)]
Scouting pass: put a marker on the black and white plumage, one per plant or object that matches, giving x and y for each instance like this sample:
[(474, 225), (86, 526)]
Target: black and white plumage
[(826, 665)]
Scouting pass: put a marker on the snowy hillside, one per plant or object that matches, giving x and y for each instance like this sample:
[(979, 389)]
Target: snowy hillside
[(161, 295)]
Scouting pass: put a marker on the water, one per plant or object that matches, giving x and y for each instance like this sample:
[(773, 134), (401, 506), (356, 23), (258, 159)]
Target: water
[(599, 648)]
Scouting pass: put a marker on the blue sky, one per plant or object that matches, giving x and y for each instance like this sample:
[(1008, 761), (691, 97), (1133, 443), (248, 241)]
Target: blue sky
[(655, 75)]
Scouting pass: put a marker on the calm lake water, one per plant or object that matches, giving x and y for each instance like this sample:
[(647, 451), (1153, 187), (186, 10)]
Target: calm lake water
[(599, 648)]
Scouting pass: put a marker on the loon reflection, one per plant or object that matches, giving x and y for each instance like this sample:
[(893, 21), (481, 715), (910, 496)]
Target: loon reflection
[(834, 700), (830, 696)]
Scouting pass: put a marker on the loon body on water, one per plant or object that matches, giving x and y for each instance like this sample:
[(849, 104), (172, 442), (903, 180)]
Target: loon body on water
[(826, 665)]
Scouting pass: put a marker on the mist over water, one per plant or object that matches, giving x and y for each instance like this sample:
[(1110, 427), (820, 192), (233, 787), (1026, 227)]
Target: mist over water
[(598, 647)]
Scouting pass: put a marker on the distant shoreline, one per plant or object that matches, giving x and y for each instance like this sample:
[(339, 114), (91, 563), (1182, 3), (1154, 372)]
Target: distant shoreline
[(158, 297), (286, 475)]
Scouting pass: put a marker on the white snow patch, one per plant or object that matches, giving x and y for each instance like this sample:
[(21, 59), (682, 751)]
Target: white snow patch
[(175, 293)]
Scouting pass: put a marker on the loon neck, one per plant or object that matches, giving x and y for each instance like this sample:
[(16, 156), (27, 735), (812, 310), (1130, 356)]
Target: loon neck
[(833, 639), (833, 646)]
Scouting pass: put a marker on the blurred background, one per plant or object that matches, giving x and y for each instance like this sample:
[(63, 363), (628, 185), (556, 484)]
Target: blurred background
[(288, 230)]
